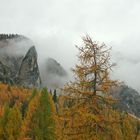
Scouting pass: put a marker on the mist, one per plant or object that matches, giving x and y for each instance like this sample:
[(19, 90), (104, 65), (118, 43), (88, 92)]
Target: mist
[(55, 27), (17, 47)]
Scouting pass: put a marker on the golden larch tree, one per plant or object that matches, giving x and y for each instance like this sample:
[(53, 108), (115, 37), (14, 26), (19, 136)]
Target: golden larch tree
[(87, 99)]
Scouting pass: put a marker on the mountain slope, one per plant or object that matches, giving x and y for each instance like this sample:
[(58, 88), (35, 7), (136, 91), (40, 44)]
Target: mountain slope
[(129, 99), (53, 74)]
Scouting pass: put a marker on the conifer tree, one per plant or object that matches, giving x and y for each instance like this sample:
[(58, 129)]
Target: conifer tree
[(88, 96), (26, 127), (40, 123), (3, 123), (13, 126), (10, 124), (54, 96)]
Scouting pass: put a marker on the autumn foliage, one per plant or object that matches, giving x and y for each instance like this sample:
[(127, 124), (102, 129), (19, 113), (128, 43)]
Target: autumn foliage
[(88, 112), (26, 114), (83, 111)]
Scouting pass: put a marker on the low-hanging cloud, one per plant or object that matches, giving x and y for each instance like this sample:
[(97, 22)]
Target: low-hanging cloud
[(56, 26), (15, 47)]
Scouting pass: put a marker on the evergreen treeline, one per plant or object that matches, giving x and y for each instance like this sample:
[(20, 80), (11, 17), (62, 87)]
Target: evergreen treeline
[(8, 36)]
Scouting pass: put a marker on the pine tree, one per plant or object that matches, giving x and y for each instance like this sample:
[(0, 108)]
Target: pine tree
[(32, 106), (3, 122), (10, 124), (40, 123), (13, 125), (54, 96), (87, 98)]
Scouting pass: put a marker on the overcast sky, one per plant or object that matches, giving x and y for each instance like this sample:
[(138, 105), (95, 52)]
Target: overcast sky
[(55, 26)]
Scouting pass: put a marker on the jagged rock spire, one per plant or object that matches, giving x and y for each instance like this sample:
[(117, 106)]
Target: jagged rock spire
[(29, 74)]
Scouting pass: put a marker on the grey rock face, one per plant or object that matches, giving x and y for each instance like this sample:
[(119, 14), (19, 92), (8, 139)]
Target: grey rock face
[(29, 75), (5, 74), (53, 75), (54, 68), (14, 67), (9, 67), (11, 64)]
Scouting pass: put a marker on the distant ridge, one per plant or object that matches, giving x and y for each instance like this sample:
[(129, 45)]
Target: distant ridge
[(129, 99), (8, 36)]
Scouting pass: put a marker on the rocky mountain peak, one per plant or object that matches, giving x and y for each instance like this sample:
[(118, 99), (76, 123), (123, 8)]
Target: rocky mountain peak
[(53, 74), (53, 67), (31, 53), (29, 74), (18, 66)]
